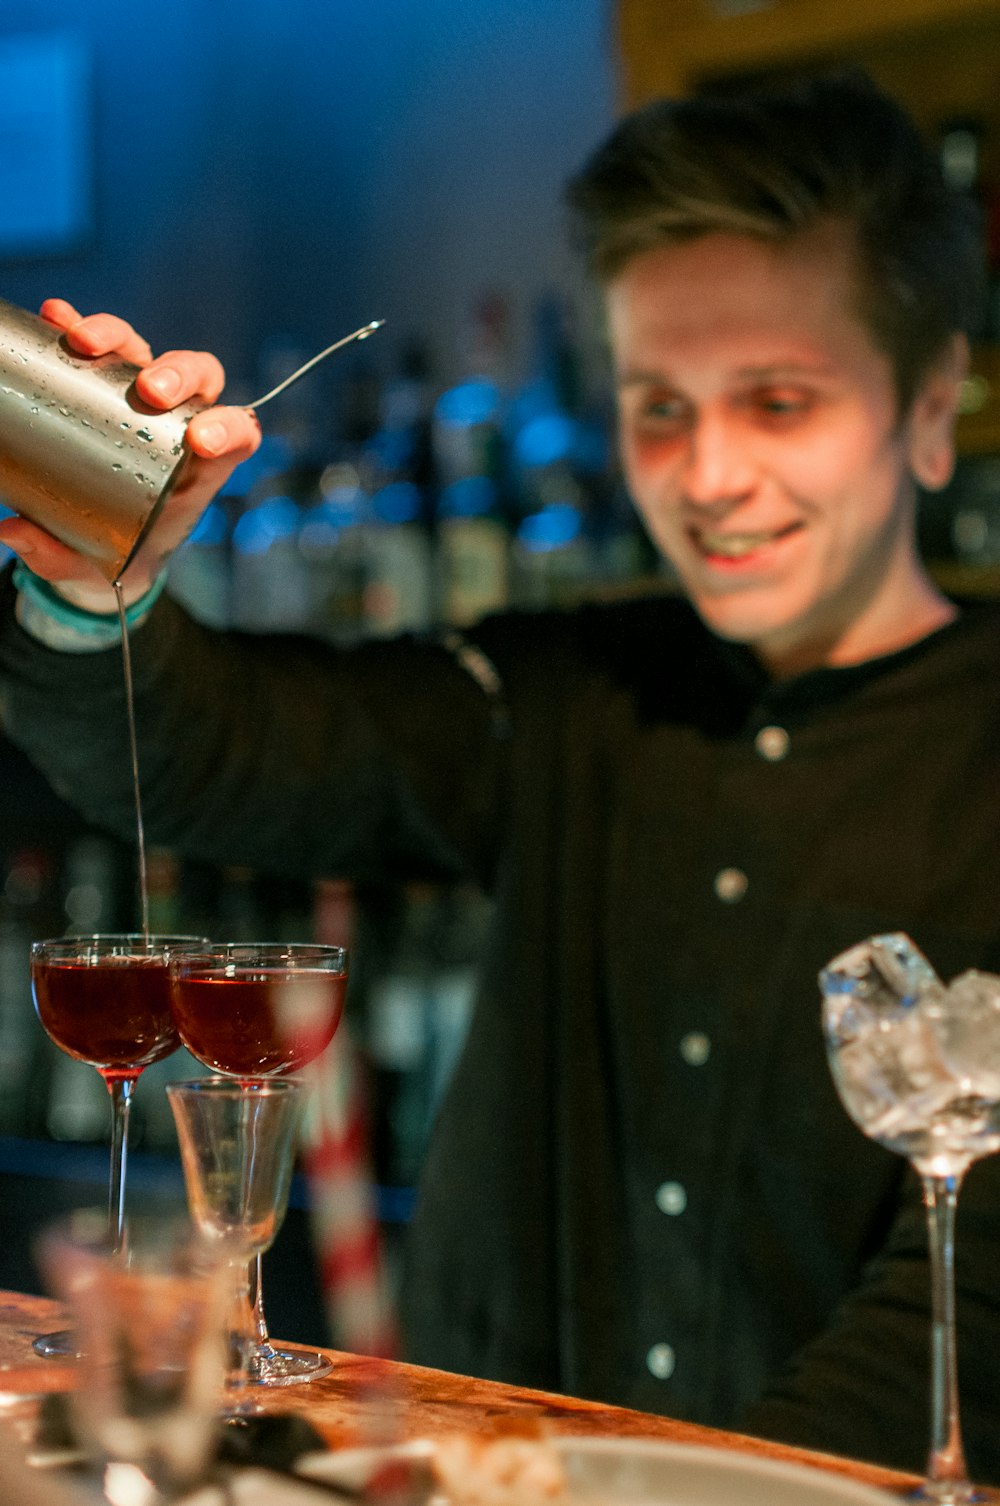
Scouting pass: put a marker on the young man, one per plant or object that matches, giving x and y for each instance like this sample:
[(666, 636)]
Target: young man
[(642, 1186)]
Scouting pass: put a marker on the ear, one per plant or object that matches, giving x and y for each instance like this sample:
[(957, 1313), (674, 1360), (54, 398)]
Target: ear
[(932, 416)]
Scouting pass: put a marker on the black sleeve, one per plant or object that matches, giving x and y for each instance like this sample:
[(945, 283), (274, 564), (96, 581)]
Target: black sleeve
[(282, 753)]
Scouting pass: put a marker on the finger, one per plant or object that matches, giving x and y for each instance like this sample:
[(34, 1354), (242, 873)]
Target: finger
[(45, 555), (58, 312), (106, 334), (201, 476), (181, 374), (223, 433)]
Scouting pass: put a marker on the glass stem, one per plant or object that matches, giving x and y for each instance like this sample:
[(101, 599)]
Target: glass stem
[(946, 1466), (242, 1327), (121, 1090), (257, 1293)]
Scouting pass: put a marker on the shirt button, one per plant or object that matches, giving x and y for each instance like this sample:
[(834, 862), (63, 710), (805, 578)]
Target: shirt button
[(671, 1198), (730, 884), (695, 1048), (660, 1361), (772, 743)]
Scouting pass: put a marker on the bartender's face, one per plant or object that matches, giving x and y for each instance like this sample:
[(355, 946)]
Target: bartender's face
[(762, 442)]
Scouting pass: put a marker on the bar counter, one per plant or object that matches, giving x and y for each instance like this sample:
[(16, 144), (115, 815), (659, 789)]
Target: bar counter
[(360, 1397)]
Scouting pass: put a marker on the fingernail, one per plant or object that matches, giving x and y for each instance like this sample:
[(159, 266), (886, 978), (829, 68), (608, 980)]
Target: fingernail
[(213, 438), (165, 382)]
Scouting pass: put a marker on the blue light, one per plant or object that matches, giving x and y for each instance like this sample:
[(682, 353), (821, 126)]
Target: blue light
[(470, 403), (319, 534), (272, 455), (397, 503), (551, 528), (393, 448), (469, 497), (212, 527), (258, 529), (545, 439), (325, 523)]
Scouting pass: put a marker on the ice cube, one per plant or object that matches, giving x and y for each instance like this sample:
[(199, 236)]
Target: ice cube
[(966, 1022), (891, 1075), (884, 972), (887, 1061)]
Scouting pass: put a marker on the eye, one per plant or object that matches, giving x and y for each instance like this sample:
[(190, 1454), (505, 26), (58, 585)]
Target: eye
[(669, 409), (655, 409), (781, 404)]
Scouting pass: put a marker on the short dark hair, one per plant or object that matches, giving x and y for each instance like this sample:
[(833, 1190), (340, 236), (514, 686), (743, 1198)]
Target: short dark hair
[(776, 160)]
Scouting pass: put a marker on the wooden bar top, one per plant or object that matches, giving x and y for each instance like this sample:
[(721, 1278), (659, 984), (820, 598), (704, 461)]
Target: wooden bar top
[(364, 1401)]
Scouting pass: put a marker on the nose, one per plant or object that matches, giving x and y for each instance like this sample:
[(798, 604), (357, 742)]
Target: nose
[(718, 466)]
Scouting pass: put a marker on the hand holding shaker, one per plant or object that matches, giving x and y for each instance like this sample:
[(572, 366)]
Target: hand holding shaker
[(80, 454)]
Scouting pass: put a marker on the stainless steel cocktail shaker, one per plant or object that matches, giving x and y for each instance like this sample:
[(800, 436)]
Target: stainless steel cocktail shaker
[(80, 454)]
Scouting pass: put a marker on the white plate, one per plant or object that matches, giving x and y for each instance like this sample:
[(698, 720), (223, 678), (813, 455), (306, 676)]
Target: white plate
[(646, 1472)]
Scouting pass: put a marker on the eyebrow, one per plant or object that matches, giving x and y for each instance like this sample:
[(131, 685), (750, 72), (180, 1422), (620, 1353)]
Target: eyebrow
[(777, 371)]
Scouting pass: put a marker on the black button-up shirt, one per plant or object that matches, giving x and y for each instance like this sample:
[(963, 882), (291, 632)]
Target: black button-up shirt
[(676, 845)]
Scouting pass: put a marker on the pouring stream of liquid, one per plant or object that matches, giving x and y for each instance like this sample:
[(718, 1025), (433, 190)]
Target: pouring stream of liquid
[(134, 752)]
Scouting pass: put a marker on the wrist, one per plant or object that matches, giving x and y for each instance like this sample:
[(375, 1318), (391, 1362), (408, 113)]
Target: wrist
[(48, 616)]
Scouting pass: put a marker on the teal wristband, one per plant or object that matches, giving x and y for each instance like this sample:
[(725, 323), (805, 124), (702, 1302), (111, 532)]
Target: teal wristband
[(101, 626)]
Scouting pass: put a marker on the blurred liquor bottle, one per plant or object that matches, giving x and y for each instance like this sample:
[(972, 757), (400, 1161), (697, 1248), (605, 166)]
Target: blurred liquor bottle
[(213, 571), (27, 908), (333, 547), (420, 946), (473, 550), (268, 571), (968, 162), (560, 466), (398, 467), (398, 592), (469, 448)]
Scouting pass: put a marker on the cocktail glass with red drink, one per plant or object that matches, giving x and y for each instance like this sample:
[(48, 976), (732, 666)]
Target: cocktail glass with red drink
[(257, 1009), (105, 999), (254, 1011)]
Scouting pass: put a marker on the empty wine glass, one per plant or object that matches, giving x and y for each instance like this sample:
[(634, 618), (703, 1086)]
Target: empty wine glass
[(917, 1066), (151, 1323), (105, 999), (237, 1143)]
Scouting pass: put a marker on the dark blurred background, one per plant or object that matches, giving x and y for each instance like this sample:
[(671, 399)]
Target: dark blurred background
[(257, 175), (259, 179)]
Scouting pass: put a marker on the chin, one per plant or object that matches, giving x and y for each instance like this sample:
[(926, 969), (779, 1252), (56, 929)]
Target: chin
[(751, 628)]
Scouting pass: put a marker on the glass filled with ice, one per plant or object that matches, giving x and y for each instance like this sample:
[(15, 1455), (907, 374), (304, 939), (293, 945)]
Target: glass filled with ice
[(917, 1066)]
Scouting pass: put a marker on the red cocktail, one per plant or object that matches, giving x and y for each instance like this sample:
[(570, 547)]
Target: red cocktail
[(106, 1000), (249, 1020), (113, 1011)]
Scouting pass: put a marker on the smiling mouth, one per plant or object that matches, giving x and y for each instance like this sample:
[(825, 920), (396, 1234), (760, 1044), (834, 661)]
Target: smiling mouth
[(736, 546)]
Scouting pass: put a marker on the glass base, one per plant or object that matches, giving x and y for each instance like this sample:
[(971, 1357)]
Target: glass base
[(60, 1345), (267, 1365), (939, 1493)]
